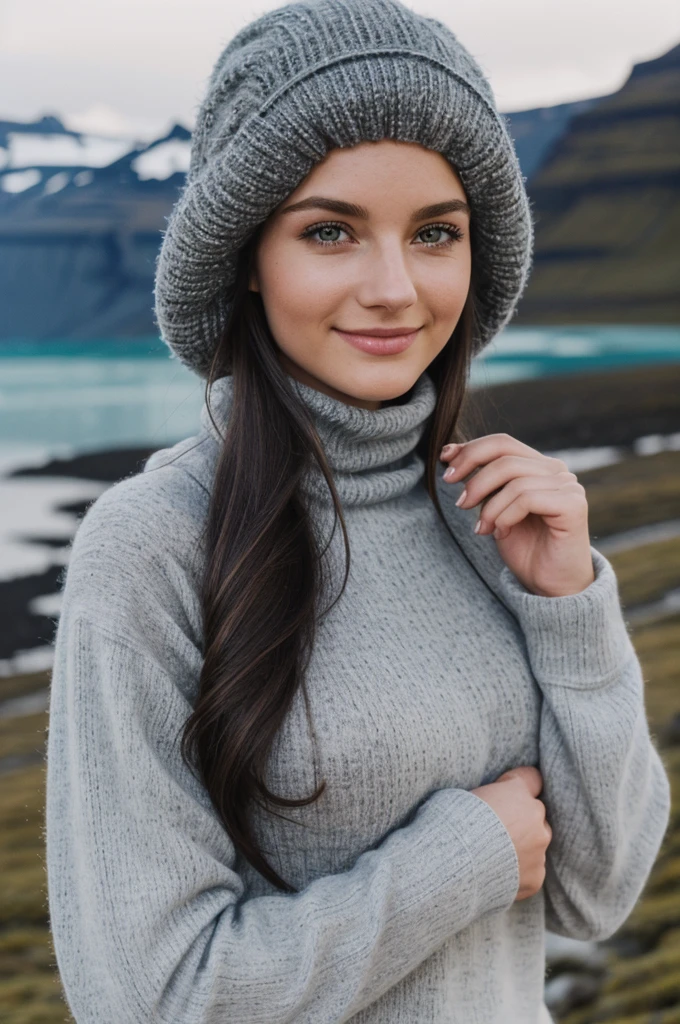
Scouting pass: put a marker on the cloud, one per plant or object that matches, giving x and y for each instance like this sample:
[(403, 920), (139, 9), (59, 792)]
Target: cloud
[(148, 61)]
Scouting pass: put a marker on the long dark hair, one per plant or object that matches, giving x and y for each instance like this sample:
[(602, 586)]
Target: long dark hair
[(263, 573)]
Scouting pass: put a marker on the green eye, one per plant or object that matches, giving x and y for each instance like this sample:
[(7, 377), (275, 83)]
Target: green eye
[(317, 229), (454, 231)]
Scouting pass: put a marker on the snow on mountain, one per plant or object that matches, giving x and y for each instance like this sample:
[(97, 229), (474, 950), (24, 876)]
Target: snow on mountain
[(32, 154)]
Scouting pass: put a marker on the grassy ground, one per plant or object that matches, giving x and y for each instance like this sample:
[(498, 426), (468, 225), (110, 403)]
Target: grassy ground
[(641, 984)]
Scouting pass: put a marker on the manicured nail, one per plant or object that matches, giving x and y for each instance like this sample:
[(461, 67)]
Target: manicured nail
[(478, 526), (450, 473), (462, 497), (450, 449)]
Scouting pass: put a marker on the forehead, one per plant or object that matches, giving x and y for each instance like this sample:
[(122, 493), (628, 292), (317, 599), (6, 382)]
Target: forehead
[(371, 173)]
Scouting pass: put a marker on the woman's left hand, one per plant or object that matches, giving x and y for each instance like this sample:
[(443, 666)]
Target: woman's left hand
[(535, 508)]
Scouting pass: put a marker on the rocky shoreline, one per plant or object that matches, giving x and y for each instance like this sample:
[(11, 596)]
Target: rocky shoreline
[(633, 493)]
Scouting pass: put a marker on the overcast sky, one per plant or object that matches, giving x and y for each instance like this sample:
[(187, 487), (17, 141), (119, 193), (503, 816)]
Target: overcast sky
[(137, 66)]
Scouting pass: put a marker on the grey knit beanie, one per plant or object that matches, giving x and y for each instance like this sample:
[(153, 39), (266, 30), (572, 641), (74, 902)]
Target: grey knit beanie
[(292, 85)]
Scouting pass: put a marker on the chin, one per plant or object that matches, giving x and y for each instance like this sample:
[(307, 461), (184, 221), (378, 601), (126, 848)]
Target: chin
[(384, 383), (378, 380)]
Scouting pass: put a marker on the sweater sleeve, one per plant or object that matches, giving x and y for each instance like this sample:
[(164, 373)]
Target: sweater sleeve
[(149, 917), (606, 791)]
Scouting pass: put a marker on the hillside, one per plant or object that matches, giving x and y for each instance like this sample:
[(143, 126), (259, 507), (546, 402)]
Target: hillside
[(606, 202), (78, 240), (81, 216), (535, 131)]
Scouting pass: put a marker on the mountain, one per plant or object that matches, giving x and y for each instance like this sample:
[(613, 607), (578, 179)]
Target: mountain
[(606, 202), (80, 227), (535, 131), (81, 215)]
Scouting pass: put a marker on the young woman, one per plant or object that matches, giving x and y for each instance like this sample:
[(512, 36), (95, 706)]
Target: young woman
[(302, 773)]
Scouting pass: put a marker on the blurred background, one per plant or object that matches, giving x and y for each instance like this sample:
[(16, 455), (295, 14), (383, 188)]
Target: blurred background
[(96, 110)]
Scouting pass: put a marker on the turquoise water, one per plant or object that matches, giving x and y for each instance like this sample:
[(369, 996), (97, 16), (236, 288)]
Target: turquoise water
[(65, 397)]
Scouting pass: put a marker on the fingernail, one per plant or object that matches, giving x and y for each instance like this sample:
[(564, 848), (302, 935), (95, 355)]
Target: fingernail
[(462, 497), (478, 526), (450, 449)]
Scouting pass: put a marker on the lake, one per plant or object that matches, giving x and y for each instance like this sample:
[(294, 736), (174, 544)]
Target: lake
[(58, 398)]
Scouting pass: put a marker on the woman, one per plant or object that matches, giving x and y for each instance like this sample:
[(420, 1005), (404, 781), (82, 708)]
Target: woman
[(404, 687)]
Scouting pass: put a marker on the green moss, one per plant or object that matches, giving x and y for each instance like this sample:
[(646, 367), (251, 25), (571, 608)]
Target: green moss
[(23, 735), (636, 989), (21, 686), (670, 1015), (647, 573), (34, 998), (658, 648), (637, 491)]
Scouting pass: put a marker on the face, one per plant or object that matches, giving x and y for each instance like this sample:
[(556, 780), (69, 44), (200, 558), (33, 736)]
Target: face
[(377, 236)]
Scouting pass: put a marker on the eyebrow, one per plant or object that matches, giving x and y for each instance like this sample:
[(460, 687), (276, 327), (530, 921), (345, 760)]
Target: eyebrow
[(353, 210)]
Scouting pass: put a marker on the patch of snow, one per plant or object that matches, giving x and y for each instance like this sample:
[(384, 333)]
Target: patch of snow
[(581, 459), (40, 149), (651, 444), (31, 704), (162, 160), (56, 182), (637, 536), (38, 659), (47, 604), (19, 181), (28, 509)]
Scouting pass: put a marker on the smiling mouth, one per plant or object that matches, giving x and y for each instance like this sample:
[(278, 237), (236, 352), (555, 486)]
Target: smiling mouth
[(382, 332), (380, 345)]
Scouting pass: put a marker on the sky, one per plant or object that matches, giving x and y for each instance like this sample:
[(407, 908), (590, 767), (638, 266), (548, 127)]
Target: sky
[(138, 66)]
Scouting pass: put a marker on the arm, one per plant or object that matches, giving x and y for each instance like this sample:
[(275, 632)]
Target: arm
[(149, 917), (606, 791)]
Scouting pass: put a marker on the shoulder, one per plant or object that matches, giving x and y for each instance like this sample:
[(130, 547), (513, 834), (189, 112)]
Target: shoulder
[(144, 511), (137, 554)]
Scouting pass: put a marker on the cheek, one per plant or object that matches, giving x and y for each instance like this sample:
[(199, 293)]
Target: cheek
[(300, 292), (444, 289)]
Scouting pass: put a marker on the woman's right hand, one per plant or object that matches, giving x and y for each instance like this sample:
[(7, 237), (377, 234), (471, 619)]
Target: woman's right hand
[(514, 798)]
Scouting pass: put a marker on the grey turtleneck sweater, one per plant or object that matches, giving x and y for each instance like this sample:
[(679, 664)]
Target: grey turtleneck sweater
[(436, 672)]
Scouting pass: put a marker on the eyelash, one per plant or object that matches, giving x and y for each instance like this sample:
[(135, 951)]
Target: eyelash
[(451, 228)]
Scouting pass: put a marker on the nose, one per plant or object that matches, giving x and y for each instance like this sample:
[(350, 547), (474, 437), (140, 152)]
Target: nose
[(386, 279)]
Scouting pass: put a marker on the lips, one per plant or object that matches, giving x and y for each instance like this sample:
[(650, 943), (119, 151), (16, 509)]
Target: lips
[(383, 332), (381, 344)]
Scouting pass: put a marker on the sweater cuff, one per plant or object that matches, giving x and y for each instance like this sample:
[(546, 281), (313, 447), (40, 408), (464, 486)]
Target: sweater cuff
[(488, 844), (578, 640)]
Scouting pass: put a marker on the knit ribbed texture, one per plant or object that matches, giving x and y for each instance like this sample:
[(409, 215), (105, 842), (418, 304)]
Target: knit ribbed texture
[(300, 81), (371, 452), (433, 674), (553, 637)]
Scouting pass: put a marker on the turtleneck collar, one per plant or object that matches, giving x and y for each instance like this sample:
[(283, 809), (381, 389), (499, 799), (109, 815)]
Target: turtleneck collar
[(371, 452)]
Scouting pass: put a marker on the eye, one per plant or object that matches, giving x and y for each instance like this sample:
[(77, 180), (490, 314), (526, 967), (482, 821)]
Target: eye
[(329, 227), (453, 230), (319, 229)]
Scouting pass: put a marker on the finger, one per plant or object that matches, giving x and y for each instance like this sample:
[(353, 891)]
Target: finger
[(530, 776), (484, 449), (449, 451), (563, 506), (496, 505), (488, 480)]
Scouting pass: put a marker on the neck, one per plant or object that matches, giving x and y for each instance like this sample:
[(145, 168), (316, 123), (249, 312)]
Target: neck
[(371, 452), (301, 375)]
